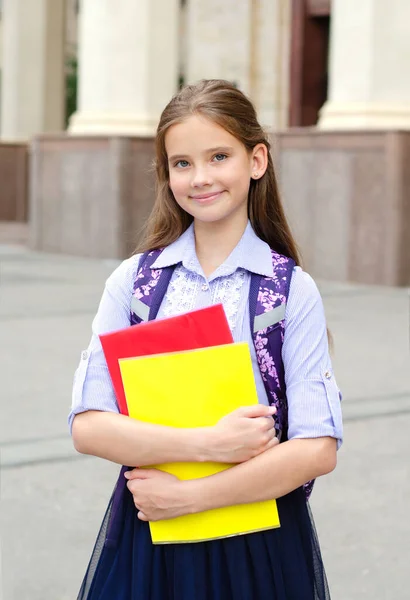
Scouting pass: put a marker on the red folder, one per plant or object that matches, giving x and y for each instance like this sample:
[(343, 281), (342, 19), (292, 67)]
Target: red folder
[(197, 329)]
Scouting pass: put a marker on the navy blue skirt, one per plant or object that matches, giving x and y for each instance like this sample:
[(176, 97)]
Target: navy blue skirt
[(279, 564)]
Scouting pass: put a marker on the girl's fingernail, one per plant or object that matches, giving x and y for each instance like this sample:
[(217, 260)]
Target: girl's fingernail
[(272, 409), (127, 474)]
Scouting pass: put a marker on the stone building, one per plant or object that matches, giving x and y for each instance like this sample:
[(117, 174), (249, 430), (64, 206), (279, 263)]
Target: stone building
[(329, 80)]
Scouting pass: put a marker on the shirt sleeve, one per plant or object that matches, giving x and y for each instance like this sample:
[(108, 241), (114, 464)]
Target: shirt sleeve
[(312, 392), (92, 389)]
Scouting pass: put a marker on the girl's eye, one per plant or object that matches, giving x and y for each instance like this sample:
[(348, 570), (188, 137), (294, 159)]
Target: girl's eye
[(220, 157), (182, 164)]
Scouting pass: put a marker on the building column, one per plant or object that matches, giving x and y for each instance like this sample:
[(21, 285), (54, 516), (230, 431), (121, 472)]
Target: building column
[(369, 60), (218, 41), (245, 42), (271, 38), (32, 86), (128, 65)]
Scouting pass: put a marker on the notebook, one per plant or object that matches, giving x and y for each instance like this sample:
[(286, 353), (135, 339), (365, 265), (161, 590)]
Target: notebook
[(195, 389)]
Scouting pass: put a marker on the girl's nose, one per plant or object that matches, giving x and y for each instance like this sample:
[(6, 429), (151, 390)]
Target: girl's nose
[(201, 178)]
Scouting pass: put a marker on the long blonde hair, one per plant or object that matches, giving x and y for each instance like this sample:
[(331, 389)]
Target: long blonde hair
[(223, 104)]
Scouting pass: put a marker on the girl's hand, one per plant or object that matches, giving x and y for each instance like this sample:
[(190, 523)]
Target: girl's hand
[(157, 495), (243, 434)]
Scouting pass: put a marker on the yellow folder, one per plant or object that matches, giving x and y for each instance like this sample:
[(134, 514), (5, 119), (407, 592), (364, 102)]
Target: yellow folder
[(195, 389)]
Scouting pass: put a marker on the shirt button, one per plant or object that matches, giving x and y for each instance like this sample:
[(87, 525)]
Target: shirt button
[(328, 375), (204, 287), (84, 355)]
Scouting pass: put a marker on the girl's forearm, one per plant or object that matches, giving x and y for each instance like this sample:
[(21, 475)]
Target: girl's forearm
[(130, 442), (272, 474)]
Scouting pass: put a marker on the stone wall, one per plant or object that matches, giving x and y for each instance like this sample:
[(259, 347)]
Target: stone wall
[(347, 196), (90, 196), (13, 182)]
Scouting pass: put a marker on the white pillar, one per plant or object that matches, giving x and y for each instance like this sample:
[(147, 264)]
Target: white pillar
[(32, 86), (128, 65), (369, 85), (270, 61), (246, 42), (219, 41)]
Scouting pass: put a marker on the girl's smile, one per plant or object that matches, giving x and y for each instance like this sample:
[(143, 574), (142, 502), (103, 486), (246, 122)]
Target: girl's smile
[(206, 198)]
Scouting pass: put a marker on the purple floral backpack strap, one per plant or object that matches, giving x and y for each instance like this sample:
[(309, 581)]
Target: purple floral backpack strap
[(150, 286), (267, 306)]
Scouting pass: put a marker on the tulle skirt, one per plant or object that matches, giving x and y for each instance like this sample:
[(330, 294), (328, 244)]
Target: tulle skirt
[(279, 564)]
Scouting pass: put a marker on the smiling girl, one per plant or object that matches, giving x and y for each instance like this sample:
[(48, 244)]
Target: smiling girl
[(219, 225)]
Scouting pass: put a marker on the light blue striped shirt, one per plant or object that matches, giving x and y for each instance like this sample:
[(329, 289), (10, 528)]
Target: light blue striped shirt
[(312, 392)]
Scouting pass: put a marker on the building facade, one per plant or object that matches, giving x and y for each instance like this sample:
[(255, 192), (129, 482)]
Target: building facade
[(328, 78), (154, 45)]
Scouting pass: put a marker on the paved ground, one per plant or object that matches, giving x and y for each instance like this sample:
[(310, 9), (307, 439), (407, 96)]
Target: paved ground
[(52, 500)]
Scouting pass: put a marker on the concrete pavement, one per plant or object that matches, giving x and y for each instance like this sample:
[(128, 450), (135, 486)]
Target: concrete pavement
[(52, 500)]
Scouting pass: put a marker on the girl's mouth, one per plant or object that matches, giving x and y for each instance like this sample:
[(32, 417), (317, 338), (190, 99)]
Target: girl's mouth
[(206, 198)]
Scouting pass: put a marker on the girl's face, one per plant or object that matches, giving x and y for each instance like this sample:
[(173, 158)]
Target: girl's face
[(210, 170)]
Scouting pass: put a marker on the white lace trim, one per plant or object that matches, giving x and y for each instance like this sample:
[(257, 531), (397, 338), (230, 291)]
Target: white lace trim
[(184, 288), (227, 291), (182, 292)]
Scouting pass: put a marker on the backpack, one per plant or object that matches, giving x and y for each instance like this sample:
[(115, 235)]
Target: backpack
[(267, 305)]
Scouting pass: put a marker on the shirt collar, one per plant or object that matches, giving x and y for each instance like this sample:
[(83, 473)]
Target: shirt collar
[(251, 254)]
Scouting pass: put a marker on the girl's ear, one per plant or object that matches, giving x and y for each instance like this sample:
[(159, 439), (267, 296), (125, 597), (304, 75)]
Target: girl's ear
[(259, 162)]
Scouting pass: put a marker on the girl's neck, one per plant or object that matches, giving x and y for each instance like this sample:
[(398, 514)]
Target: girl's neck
[(214, 242)]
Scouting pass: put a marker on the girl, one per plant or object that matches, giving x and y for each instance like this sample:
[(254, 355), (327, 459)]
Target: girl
[(219, 222)]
